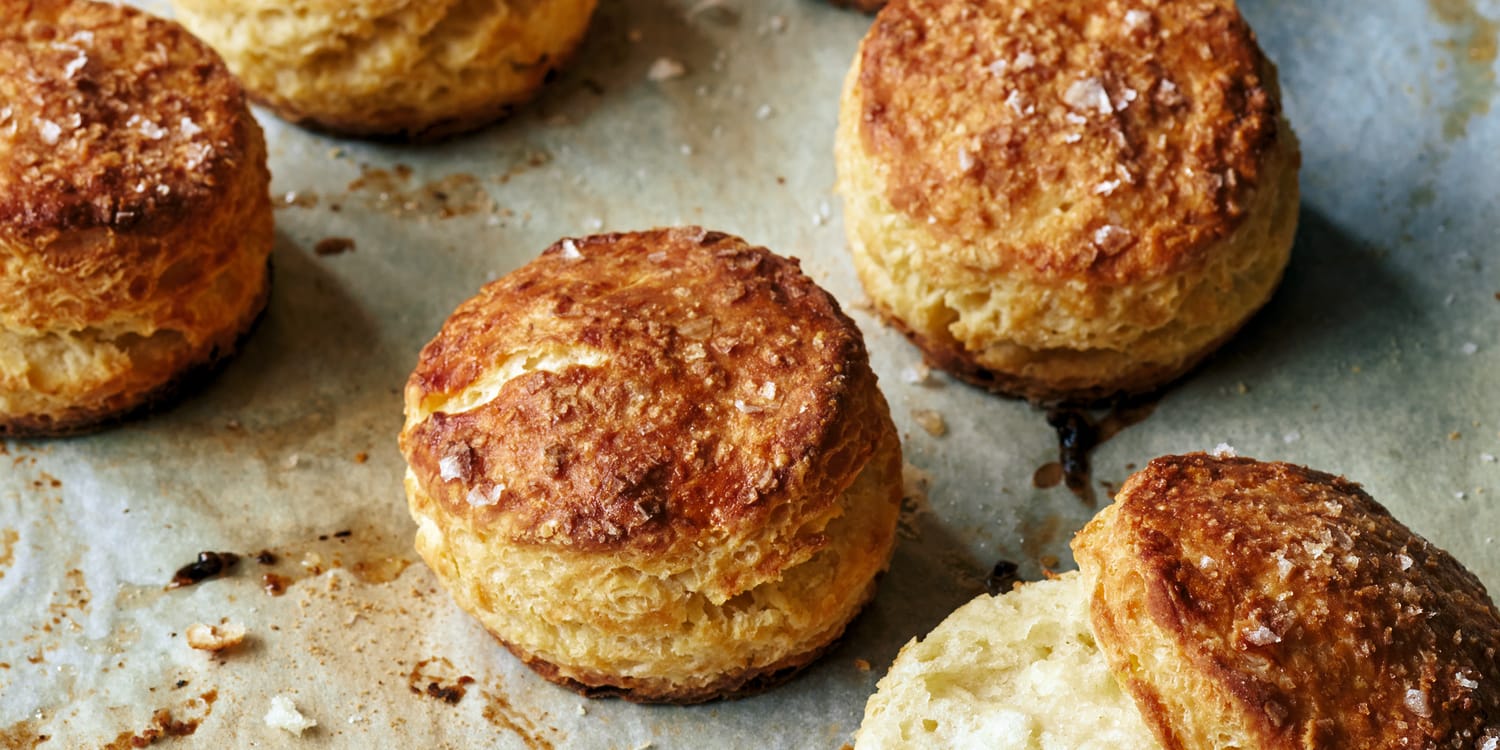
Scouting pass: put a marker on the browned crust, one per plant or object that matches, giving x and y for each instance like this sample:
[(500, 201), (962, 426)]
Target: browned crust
[(699, 320), (1190, 119), (1362, 611), (119, 120), (125, 407), (412, 129), (1147, 379), (729, 686)]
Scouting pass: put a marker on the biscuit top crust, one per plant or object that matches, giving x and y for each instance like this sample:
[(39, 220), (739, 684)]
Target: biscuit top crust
[(634, 391), (1113, 139), (1326, 622), (109, 118)]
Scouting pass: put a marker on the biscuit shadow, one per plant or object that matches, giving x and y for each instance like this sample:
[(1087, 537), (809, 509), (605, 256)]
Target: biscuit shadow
[(309, 361), (1336, 296)]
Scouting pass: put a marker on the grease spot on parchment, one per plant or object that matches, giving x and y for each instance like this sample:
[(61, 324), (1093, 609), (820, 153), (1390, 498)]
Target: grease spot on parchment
[(1473, 47), (8, 539)]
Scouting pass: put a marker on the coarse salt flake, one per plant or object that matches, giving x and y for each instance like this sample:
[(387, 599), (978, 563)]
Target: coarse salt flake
[(76, 64), (478, 498), (1016, 102), (1465, 681), (1404, 561), (49, 131), (570, 250), (965, 159), (188, 127), (1024, 60), (1088, 94), (768, 390), (285, 716), (997, 68), (1223, 450), (1261, 636), (1107, 187), (1283, 567), (1111, 239), (1416, 701), (745, 408), (450, 468), (1135, 18)]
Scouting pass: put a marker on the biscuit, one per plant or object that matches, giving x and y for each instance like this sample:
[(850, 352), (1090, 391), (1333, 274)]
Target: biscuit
[(388, 67), (654, 465), (1005, 673), (135, 215), (1062, 201), (1220, 603), (1249, 604)]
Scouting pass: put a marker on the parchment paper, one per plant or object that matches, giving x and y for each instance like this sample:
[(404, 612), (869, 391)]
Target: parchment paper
[(1376, 359)]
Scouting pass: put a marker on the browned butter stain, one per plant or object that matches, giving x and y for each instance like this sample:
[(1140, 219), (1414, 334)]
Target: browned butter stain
[(333, 246), (165, 724), (380, 569), (1474, 46), (25, 735), (390, 190), (8, 539), (499, 712), (434, 678), (1078, 434)]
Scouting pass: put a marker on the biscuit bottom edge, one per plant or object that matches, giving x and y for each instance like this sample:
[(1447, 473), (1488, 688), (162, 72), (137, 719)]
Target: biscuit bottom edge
[(1141, 381), (194, 375), (729, 686)]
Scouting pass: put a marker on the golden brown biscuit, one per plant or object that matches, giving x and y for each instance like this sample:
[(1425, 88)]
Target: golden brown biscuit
[(1066, 201), (390, 67), (135, 217), (1249, 604), (1221, 603), (654, 465)]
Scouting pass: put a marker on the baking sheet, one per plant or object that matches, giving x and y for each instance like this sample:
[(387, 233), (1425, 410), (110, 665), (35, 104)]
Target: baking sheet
[(1376, 359)]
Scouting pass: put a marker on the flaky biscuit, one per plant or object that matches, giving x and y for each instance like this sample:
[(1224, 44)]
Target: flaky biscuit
[(1220, 603), (1066, 201), (1014, 672), (654, 465), (1249, 604), (135, 217), (416, 70)]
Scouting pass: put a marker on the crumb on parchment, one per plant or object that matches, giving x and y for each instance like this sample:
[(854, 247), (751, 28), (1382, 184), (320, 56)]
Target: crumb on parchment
[(285, 716), (215, 637)]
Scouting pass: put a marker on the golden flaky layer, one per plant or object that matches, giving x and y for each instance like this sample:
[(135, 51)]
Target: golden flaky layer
[(1014, 672), (600, 625), (391, 67), (135, 218), (1066, 201), (1248, 604), (678, 415)]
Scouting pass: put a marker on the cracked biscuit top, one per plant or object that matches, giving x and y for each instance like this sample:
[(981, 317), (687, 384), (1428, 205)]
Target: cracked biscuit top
[(1113, 139), (644, 391)]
